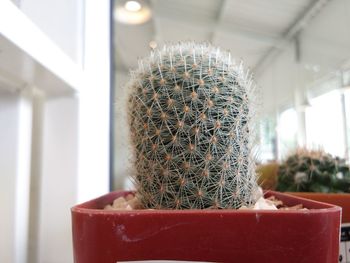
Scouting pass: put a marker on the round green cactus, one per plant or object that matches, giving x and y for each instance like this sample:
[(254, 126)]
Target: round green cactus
[(190, 116), (313, 171)]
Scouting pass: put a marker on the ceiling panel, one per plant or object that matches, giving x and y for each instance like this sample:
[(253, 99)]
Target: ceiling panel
[(170, 30), (272, 17), (249, 28), (201, 9), (242, 48), (132, 42)]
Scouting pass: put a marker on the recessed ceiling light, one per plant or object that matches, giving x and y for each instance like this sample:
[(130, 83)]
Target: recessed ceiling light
[(132, 12), (132, 6)]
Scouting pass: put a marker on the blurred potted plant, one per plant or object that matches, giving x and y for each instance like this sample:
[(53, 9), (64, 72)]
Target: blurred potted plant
[(317, 175), (191, 121)]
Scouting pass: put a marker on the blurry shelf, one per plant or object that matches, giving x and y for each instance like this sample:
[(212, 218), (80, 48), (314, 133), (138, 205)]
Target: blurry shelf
[(28, 56)]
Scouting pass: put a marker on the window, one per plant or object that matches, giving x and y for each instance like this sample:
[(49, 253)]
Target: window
[(287, 132), (325, 124), (267, 144)]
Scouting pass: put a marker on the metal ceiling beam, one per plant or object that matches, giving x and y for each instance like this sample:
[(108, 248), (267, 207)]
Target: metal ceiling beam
[(295, 28)]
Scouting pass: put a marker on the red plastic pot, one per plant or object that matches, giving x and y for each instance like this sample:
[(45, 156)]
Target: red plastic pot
[(339, 199), (207, 235), (342, 200)]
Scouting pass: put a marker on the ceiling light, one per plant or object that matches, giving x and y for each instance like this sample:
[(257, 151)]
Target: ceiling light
[(132, 6), (132, 12)]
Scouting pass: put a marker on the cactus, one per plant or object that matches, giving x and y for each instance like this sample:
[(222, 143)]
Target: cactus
[(313, 171), (190, 116)]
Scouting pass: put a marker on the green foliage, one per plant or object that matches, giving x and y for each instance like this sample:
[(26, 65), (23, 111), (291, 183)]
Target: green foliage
[(190, 116), (313, 171)]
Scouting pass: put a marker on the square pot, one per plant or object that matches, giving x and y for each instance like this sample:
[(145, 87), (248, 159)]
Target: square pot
[(342, 200), (207, 235)]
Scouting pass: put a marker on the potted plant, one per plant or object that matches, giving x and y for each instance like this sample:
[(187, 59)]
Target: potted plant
[(191, 121), (317, 175)]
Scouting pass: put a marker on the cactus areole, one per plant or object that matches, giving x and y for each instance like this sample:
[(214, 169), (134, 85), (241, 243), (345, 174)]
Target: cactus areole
[(191, 111)]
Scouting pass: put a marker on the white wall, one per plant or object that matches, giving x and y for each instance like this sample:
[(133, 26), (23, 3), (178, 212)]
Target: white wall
[(325, 45), (324, 50), (326, 41), (61, 20), (54, 147), (8, 142), (15, 134), (278, 81), (59, 180), (94, 104)]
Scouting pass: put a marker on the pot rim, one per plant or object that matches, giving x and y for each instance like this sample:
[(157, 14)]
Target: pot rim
[(319, 193), (84, 208)]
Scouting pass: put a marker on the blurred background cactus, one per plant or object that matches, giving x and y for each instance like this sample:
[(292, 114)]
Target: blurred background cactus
[(190, 115), (313, 171)]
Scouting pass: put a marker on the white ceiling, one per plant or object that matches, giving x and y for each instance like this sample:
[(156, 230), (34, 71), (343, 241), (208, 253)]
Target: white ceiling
[(250, 29)]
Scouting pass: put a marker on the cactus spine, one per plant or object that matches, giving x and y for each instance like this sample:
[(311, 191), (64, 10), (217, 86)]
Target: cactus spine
[(190, 115)]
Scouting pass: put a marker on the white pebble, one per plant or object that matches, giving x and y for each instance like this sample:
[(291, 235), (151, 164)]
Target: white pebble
[(119, 202), (263, 204)]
